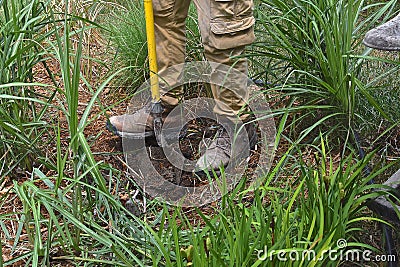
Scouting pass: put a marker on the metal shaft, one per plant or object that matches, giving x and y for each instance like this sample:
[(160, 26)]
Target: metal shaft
[(151, 46)]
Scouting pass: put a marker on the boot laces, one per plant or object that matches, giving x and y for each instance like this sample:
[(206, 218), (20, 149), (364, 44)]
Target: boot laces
[(222, 141)]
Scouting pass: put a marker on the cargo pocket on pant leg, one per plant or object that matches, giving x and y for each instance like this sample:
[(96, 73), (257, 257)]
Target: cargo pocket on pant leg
[(231, 23)]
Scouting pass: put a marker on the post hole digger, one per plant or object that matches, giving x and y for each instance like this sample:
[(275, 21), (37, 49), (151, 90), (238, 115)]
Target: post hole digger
[(147, 121), (156, 107)]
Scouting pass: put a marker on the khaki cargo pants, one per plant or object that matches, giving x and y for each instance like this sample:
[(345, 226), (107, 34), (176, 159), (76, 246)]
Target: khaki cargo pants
[(226, 27)]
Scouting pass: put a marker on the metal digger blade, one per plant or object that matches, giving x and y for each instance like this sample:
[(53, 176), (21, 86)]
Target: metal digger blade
[(157, 131), (156, 112)]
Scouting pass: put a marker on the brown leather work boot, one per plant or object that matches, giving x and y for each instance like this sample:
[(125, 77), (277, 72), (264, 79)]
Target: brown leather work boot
[(138, 125)]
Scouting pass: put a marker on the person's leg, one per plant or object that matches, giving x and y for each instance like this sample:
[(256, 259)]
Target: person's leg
[(169, 20), (385, 36), (226, 28), (231, 98)]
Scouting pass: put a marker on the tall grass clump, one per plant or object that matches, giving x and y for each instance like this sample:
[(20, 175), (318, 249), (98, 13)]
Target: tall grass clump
[(126, 25), (86, 13), (66, 214), (319, 206), (22, 107), (316, 46), (380, 75)]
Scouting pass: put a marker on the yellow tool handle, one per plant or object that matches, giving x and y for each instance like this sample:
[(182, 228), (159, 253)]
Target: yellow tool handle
[(151, 46)]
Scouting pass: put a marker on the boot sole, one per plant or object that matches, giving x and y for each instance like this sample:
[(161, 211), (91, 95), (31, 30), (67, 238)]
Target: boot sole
[(389, 48), (170, 134), (128, 135)]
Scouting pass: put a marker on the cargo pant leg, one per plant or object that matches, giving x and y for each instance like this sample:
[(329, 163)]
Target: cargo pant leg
[(169, 20), (226, 27)]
